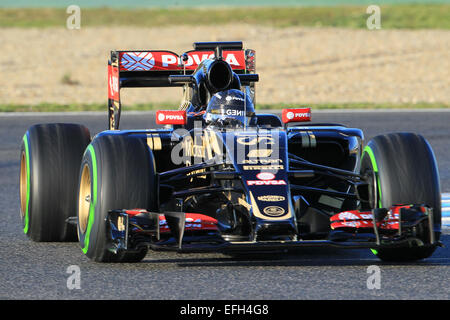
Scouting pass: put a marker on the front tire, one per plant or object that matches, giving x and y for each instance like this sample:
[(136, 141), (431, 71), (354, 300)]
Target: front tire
[(50, 157), (117, 172), (405, 172)]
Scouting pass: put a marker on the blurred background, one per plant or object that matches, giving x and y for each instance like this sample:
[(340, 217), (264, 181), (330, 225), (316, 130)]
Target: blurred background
[(321, 53)]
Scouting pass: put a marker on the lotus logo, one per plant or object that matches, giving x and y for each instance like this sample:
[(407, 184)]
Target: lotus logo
[(274, 211)]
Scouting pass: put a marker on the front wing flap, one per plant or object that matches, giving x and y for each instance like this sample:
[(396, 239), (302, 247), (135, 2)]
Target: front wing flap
[(398, 223)]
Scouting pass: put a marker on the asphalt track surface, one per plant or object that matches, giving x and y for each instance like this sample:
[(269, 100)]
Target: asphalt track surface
[(31, 270)]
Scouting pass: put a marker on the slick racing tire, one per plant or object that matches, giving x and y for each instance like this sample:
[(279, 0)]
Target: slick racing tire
[(117, 172), (405, 172), (50, 157)]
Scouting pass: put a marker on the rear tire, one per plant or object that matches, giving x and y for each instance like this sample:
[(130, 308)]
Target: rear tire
[(406, 172), (117, 172), (50, 157)]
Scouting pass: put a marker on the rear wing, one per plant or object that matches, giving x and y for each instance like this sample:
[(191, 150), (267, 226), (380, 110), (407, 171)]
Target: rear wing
[(153, 68)]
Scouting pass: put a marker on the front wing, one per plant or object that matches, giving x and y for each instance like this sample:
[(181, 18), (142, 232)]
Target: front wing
[(398, 226)]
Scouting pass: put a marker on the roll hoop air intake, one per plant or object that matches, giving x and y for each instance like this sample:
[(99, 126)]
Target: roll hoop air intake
[(217, 74)]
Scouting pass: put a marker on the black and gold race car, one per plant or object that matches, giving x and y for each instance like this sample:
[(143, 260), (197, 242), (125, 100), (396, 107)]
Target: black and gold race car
[(217, 176)]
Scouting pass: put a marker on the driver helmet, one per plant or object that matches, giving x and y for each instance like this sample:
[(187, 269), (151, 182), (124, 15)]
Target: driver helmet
[(231, 108)]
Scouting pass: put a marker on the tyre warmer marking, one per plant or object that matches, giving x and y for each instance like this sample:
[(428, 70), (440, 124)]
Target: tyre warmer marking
[(369, 151), (93, 203), (27, 156)]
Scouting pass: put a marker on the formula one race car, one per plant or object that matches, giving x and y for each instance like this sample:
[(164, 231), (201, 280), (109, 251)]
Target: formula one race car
[(216, 176)]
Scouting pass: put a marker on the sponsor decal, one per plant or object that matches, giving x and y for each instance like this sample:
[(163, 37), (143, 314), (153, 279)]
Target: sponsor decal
[(197, 172), (348, 215), (194, 221), (137, 61), (266, 182), (296, 115), (264, 167), (229, 98), (274, 211), (113, 83), (251, 141), (166, 60), (259, 214), (265, 176), (261, 161), (271, 198), (357, 219), (259, 153), (235, 59), (262, 142), (232, 112), (170, 117), (265, 179), (290, 115)]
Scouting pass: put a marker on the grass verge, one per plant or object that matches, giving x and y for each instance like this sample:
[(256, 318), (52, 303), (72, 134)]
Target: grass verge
[(410, 16), (54, 107)]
